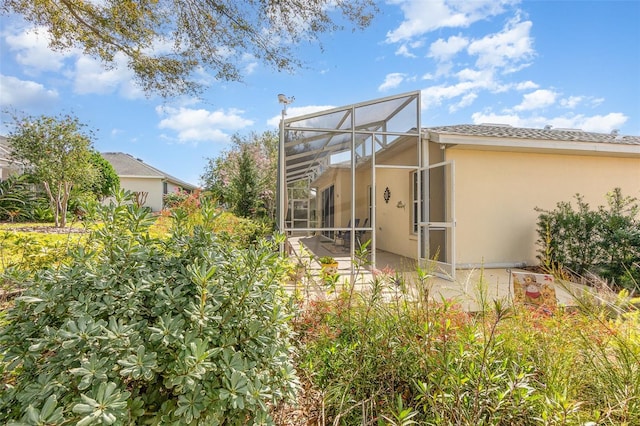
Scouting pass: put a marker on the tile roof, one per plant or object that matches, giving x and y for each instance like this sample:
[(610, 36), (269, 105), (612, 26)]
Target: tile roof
[(127, 165), (506, 131)]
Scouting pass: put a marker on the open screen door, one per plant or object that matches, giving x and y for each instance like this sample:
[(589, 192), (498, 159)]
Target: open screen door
[(437, 229)]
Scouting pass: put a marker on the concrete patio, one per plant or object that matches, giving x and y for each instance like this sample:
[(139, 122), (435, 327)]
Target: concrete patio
[(469, 288)]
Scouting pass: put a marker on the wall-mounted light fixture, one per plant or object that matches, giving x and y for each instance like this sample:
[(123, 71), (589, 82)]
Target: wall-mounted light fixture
[(387, 195), (400, 205)]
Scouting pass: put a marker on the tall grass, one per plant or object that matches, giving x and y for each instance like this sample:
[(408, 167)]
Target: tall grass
[(393, 356)]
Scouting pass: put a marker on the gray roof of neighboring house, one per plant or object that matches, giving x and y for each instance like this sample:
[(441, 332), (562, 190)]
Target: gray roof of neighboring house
[(506, 131), (127, 165)]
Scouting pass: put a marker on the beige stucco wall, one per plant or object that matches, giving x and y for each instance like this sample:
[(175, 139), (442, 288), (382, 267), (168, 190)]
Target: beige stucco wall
[(151, 185), (496, 194), (393, 223)]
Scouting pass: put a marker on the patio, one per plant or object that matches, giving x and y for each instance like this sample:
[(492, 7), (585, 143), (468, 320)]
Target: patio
[(468, 289)]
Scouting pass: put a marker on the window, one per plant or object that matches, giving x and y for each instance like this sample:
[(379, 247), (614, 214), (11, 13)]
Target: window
[(165, 187)]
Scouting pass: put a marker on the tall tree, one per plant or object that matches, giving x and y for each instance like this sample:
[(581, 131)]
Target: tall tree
[(57, 153), (254, 158), (244, 185), (166, 41)]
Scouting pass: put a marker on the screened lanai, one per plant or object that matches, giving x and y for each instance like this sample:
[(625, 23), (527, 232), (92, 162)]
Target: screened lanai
[(354, 173)]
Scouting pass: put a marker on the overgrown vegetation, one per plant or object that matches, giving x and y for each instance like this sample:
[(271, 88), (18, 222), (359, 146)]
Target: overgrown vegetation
[(604, 242), (135, 329), (389, 356), (181, 319)]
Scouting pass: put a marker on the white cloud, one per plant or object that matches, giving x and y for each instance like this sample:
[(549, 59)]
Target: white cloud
[(595, 123), (435, 95), (92, 78), (444, 50), (468, 74), (391, 81), (464, 102), (18, 93), (600, 123), (196, 125), (403, 50), (32, 50), (250, 68), (571, 102), (535, 100), (526, 85), (511, 48), (421, 17)]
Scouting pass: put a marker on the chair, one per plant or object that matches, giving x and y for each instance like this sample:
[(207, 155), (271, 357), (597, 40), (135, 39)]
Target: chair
[(360, 233), (346, 235)]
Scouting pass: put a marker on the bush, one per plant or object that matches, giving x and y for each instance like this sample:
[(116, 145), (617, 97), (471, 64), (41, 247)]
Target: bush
[(17, 200), (180, 331), (605, 242)]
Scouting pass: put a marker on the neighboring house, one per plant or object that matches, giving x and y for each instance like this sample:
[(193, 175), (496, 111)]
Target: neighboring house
[(480, 184), (7, 166), (148, 183)]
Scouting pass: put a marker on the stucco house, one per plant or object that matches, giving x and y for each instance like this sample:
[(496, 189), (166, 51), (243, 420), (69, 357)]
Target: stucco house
[(150, 183), (7, 165), (464, 195)]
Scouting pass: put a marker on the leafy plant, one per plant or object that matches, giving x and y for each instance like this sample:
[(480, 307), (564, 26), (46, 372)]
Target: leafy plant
[(16, 199), (185, 330), (605, 242), (326, 260)]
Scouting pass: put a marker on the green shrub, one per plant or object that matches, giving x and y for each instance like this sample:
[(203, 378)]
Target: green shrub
[(16, 199), (178, 331), (237, 231), (605, 242)]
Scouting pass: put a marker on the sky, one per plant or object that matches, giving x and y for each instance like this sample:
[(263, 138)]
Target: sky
[(568, 64)]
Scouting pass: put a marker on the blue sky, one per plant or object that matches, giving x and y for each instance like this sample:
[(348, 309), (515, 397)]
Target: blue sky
[(569, 64)]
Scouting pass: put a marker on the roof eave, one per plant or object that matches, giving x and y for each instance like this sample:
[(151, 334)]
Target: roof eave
[(617, 149)]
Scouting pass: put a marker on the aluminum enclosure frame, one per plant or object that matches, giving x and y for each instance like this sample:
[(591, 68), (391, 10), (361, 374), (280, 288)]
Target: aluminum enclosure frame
[(348, 137)]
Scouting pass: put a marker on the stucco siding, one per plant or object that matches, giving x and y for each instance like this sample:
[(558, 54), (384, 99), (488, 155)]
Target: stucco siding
[(496, 194), (153, 186), (393, 223)]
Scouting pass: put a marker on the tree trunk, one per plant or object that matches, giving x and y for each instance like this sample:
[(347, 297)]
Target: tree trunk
[(65, 202), (52, 203), (59, 202)]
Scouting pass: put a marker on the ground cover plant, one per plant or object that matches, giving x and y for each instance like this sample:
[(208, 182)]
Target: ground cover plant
[(134, 329), (29, 246), (382, 357)]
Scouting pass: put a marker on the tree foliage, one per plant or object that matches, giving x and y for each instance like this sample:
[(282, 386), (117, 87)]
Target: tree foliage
[(166, 41), (106, 181), (244, 177), (57, 154)]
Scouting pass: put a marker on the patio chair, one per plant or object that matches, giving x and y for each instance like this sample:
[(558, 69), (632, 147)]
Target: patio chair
[(346, 235), (360, 233)]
